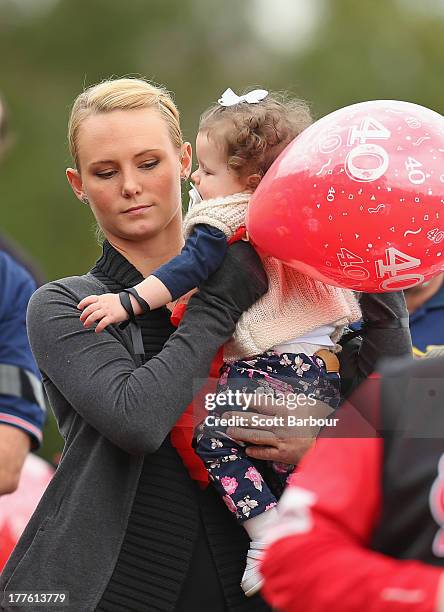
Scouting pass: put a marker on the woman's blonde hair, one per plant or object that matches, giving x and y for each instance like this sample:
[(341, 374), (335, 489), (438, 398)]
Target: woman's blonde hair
[(122, 94)]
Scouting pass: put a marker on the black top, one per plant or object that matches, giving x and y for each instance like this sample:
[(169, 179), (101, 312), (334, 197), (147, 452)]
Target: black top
[(182, 550), (411, 520)]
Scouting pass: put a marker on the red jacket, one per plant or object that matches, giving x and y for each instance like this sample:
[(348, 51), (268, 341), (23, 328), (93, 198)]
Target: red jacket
[(320, 557)]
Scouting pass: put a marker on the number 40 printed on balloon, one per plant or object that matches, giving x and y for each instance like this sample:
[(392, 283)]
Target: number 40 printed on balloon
[(357, 200)]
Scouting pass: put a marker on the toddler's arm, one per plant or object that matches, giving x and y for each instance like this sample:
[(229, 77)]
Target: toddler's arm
[(201, 255)]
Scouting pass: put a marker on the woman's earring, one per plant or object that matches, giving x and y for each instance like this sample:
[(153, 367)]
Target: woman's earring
[(84, 199)]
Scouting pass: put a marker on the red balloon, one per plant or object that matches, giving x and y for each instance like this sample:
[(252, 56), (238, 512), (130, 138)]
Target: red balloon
[(357, 200)]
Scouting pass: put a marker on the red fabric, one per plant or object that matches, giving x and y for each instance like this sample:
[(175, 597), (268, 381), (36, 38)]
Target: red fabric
[(239, 234), (7, 544), (177, 314), (326, 564), (182, 433), (181, 439)]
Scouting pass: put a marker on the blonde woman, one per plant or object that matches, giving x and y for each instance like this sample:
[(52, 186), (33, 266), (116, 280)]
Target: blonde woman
[(122, 526)]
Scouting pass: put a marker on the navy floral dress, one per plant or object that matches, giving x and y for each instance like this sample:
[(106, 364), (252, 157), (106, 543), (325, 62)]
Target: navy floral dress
[(250, 487)]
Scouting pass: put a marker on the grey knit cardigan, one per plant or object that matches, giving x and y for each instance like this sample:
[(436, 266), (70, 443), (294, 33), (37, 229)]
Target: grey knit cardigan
[(111, 411)]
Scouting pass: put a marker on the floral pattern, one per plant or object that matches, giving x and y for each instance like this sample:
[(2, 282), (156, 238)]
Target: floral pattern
[(255, 477), (229, 484), (245, 491), (246, 505), (285, 361), (230, 458), (299, 366), (230, 504)]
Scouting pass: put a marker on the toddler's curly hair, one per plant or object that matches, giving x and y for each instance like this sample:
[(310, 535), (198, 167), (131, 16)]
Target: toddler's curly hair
[(253, 135)]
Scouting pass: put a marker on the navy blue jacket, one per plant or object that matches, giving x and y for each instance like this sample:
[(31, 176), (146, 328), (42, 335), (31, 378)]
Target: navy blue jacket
[(427, 322), (21, 396), (203, 253)]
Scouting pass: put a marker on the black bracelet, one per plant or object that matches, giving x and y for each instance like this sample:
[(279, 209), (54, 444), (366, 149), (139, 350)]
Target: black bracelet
[(136, 335), (125, 300), (142, 303), (126, 304)]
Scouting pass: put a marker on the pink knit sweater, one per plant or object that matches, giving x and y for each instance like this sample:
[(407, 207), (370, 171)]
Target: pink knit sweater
[(294, 304)]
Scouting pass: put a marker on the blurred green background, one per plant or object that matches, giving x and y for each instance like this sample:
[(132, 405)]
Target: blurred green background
[(330, 52)]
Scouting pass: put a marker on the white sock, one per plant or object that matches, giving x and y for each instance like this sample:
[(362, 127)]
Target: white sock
[(257, 526)]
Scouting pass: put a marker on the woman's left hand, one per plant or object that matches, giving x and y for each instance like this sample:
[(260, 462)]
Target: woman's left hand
[(268, 433)]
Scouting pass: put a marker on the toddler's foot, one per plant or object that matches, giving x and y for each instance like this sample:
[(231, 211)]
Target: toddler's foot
[(252, 580)]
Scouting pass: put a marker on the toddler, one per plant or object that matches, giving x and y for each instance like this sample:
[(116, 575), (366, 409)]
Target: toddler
[(285, 343)]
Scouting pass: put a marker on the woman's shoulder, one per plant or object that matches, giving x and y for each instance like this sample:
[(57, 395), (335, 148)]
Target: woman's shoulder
[(73, 288)]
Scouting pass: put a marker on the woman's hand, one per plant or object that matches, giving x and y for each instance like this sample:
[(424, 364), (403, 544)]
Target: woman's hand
[(105, 308), (270, 433), (385, 335)]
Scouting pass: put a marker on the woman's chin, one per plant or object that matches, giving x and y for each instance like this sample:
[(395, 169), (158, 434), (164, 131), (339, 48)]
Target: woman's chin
[(142, 231), (139, 227)]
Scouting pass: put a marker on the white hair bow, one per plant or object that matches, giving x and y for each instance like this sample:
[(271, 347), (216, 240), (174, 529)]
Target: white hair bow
[(229, 98)]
